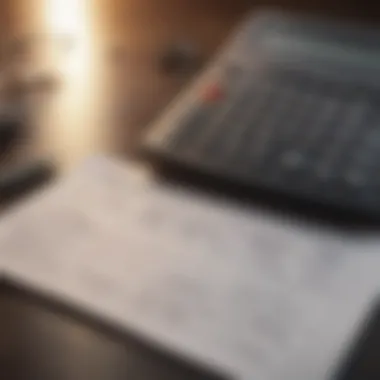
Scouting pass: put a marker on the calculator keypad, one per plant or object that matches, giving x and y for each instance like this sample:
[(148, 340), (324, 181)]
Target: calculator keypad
[(309, 138)]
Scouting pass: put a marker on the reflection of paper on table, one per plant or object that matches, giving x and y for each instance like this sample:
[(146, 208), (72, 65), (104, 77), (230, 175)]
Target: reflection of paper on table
[(255, 295)]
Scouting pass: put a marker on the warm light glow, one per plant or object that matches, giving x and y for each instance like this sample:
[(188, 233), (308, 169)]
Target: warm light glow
[(66, 16), (69, 17), (74, 103)]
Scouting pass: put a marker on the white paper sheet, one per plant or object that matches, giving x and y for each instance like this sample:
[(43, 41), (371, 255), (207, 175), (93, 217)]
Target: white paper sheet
[(254, 295)]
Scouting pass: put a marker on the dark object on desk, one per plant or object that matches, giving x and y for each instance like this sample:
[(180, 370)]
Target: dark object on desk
[(24, 178), (43, 340), (11, 130), (181, 58), (362, 362), (291, 108)]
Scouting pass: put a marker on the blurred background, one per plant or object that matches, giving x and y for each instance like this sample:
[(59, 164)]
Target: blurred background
[(80, 77), (111, 79)]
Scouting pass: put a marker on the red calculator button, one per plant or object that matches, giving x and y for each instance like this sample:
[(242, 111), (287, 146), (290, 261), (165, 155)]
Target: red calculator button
[(213, 93)]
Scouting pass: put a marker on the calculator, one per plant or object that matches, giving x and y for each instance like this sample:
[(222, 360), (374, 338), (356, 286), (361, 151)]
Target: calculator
[(290, 106)]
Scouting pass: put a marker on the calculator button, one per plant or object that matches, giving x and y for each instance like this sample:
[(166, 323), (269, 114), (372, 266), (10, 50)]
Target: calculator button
[(213, 93), (356, 178), (182, 139), (292, 160)]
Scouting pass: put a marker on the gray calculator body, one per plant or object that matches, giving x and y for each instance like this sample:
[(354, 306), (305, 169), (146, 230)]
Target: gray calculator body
[(291, 105)]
